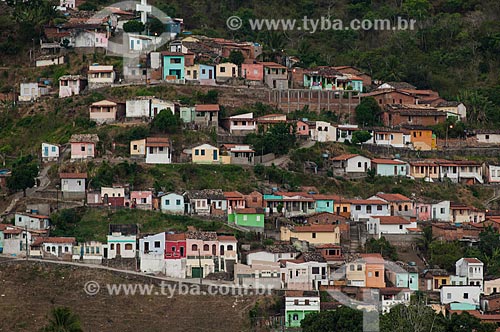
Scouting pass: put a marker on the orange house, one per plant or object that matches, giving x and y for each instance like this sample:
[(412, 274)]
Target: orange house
[(422, 139), (374, 269), (252, 71)]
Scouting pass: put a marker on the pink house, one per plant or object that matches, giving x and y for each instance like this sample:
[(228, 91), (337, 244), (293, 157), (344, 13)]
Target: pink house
[(235, 200), (83, 146), (141, 200), (423, 211), (302, 128), (201, 249), (252, 71)]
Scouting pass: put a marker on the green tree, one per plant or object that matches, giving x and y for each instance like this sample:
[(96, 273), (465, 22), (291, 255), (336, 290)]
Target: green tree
[(381, 246), (425, 240), (467, 323), (166, 122), (360, 136), (24, 172), (63, 320), (445, 254), (416, 317), (236, 57), (133, 26), (368, 112), (155, 27), (343, 319)]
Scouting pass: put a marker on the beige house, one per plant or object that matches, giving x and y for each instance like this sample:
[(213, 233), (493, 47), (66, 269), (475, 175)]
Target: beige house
[(192, 73), (138, 148), (314, 234), (492, 286), (106, 111), (225, 71)]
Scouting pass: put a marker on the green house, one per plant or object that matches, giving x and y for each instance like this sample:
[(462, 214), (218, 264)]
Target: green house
[(298, 304), (249, 217)]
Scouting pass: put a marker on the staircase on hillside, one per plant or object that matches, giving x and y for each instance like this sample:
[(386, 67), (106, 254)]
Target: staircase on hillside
[(357, 235)]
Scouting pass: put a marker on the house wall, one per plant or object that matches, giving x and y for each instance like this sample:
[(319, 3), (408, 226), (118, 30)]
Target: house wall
[(207, 72), (356, 274), (324, 132), (440, 211), (205, 155), (422, 140), (488, 138), (175, 203), (192, 72), (492, 286), (247, 219), (375, 275), (460, 294), (30, 222), (173, 69), (155, 156), (295, 313), (390, 169), (252, 72), (226, 70), (138, 148), (50, 151), (142, 199), (493, 174), (175, 268), (394, 97), (138, 108), (265, 256), (121, 244), (324, 206), (29, 91), (103, 117), (77, 153), (312, 237), (361, 211), (358, 164), (73, 185), (73, 87)]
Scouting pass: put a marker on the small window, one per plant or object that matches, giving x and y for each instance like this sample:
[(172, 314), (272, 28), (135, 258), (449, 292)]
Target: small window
[(313, 235), (296, 302), (206, 247), (315, 270), (202, 152), (128, 246), (487, 136), (466, 295), (306, 302), (358, 207), (400, 226), (194, 247), (178, 202), (222, 69), (360, 267), (351, 267), (377, 274), (448, 296), (379, 207), (157, 244)]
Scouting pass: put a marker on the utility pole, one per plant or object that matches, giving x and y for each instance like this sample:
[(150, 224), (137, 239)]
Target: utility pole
[(201, 271), (26, 236)]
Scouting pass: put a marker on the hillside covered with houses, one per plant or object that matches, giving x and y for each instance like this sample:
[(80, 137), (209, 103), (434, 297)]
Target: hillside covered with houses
[(191, 157)]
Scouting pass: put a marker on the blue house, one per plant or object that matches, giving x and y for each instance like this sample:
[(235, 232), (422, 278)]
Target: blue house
[(324, 203), (172, 203), (207, 72), (2, 227), (173, 66), (390, 167)]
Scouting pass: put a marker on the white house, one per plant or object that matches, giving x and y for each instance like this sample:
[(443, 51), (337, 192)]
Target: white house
[(172, 203), (119, 245), (158, 150), (493, 174), (390, 225), (266, 256), (440, 211), (453, 108), (99, 76), (15, 240), (322, 131), (469, 172), (50, 152), (140, 43), (146, 107), (31, 221), (460, 294), (70, 85), (345, 131), (304, 275), (393, 296), (72, 183), (473, 269), (390, 167), (49, 60), (258, 274), (152, 253), (458, 280), (488, 136), (363, 209), (350, 164), (32, 91), (90, 252), (52, 247), (241, 124)]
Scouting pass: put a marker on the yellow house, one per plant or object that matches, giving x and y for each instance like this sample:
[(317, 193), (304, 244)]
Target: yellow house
[(192, 72), (138, 148), (205, 154), (342, 206), (356, 273), (226, 70), (314, 234)]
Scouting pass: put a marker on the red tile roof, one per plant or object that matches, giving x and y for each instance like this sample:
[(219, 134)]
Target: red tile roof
[(172, 53), (73, 175), (393, 220), (372, 258), (157, 141), (228, 238), (473, 260), (248, 211), (207, 108), (393, 197), (175, 237), (344, 157), (40, 240), (233, 194), (367, 202)]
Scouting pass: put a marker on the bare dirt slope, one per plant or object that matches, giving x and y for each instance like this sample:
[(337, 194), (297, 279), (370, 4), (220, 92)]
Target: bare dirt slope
[(29, 290)]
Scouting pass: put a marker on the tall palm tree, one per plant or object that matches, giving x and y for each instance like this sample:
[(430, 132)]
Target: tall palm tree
[(63, 320)]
